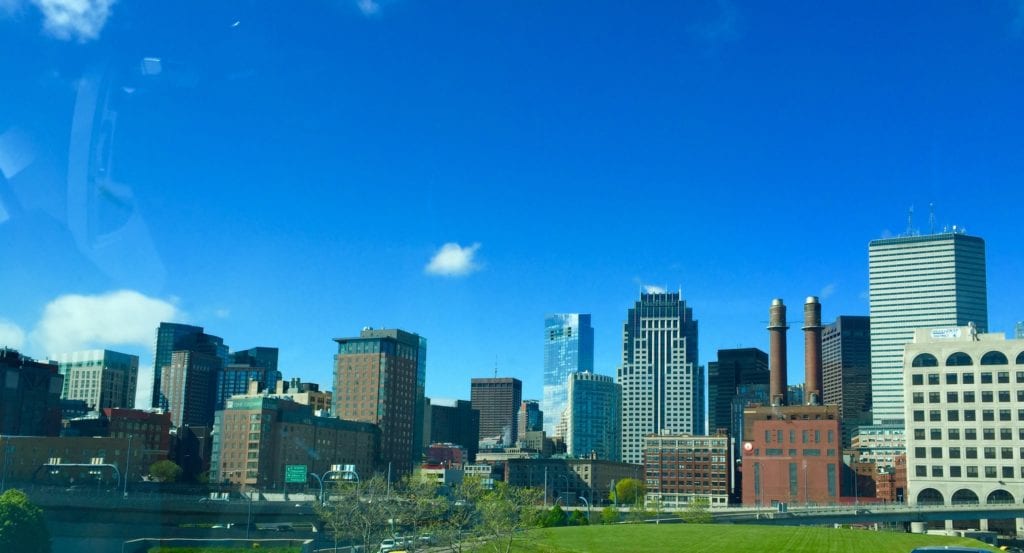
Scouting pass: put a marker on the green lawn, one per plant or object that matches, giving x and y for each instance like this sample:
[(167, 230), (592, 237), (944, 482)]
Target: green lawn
[(718, 538)]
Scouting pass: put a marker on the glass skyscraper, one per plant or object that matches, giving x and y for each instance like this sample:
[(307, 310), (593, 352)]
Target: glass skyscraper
[(568, 347), (171, 337), (593, 417), (918, 282), (662, 384)]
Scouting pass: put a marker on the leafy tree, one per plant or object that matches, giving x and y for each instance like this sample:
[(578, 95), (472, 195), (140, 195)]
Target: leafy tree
[(505, 514), (627, 491), (358, 510), (552, 517), (698, 511), (578, 518), (165, 471), (609, 515), (22, 526)]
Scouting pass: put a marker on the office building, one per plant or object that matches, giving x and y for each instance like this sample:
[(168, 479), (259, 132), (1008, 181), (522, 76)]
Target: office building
[(259, 364), (593, 417), (735, 368), (380, 378), (498, 401), (102, 378), (171, 337), (846, 369), (964, 405), (530, 418), (455, 422), (568, 348), (919, 282), (662, 390), (746, 396), (29, 397), (189, 386), (880, 444), (290, 434), (681, 468)]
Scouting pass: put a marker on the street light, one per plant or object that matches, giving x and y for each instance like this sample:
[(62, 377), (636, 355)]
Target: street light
[(566, 478), (127, 459), (587, 503)]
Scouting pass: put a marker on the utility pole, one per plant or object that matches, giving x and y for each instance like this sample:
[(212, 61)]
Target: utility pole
[(545, 487), (127, 460)]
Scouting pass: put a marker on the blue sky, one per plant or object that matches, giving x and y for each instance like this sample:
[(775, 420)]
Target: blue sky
[(283, 176)]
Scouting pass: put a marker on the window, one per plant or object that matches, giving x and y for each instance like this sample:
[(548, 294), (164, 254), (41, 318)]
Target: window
[(919, 433), (1005, 415), (918, 397), (990, 452), (934, 397), (936, 433), (921, 470), (969, 415), (1003, 377), (986, 378), (988, 415), (990, 472), (937, 471), (954, 453), (917, 379), (988, 434), (959, 359), (1004, 396), (970, 434), (933, 378), (936, 453), (1005, 434), (954, 472), (968, 378), (954, 433), (951, 378), (972, 472), (920, 452), (935, 415), (925, 360), (1020, 377), (1007, 472), (953, 415), (986, 397), (994, 358), (952, 397), (1006, 453), (971, 452), (968, 397)]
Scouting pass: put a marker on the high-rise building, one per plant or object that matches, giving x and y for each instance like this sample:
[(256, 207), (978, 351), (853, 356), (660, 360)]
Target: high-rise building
[(846, 370), (530, 418), (568, 348), (733, 369), (593, 417), (189, 386), (1020, 330), (455, 422), (102, 378), (380, 378), (498, 401), (259, 364), (662, 390), (919, 282), (171, 337), (29, 396)]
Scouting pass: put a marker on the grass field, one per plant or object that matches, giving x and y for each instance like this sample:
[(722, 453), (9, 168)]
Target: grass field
[(718, 538)]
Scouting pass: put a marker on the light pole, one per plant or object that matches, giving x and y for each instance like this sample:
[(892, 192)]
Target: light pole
[(805, 483), (587, 503), (8, 452), (127, 460), (248, 516), (566, 478)]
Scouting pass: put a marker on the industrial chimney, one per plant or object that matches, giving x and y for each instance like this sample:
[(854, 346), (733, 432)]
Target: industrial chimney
[(812, 351), (777, 352)]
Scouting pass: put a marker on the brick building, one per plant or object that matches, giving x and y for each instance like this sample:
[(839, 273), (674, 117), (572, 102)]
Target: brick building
[(680, 468)]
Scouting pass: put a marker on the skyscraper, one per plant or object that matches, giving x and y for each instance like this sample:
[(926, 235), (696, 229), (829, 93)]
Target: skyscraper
[(846, 370), (380, 377), (259, 364), (918, 282), (593, 417), (189, 386), (733, 369), (102, 378), (568, 347), (455, 422), (498, 401), (661, 388), (530, 417), (171, 337)]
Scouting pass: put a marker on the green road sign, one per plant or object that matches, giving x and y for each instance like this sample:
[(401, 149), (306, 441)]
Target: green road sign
[(294, 474)]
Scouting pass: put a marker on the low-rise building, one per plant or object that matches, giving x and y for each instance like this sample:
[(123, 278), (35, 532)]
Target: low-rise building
[(680, 468), (567, 480), (96, 462)]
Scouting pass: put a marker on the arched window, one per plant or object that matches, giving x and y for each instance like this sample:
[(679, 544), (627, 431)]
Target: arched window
[(1020, 358), (959, 359), (965, 497), (994, 358), (1000, 496), (930, 496), (925, 360)]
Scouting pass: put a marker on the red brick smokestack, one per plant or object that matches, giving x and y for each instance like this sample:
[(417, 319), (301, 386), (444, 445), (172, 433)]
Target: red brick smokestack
[(777, 352), (812, 351)]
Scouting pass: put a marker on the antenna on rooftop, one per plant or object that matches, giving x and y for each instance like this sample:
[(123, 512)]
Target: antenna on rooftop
[(910, 221), (495, 366), (931, 218)]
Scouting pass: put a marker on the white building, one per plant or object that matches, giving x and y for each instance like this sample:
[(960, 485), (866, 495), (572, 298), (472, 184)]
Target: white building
[(662, 384), (593, 417), (919, 282), (964, 405), (102, 378)]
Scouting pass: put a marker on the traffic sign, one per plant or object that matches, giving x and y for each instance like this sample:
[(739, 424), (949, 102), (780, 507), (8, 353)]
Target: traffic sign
[(294, 474)]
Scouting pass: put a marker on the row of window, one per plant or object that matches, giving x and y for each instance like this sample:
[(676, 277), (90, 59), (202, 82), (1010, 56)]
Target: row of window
[(779, 452), (1002, 377), (969, 415), (961, 359), (805, 435), (938, 471), (987, 396), (972, 434), (968, 452)]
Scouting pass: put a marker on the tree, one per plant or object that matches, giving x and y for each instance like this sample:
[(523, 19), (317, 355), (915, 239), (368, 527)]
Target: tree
[(552, 517), (578, 518), (698, 511), (505, 514), (22, 526), (609, 515), (360, 511), (627, 491), (165, 471)]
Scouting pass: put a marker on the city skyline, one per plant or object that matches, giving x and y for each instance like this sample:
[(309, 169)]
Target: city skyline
[(409, 169)]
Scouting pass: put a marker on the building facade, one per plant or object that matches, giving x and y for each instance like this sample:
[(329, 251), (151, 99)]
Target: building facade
[(530, 418), (565, 481), (498, 401), (593, 417), (734, 369), (846, 371), (964, 401), (85, 461), (259, 364), (455, 422), (29, 397), (189, 386), (568, 348), (102, 378), (255, 437), (681, 468), (919, 282), (880, 444), (380, 378), (171, 337), (662, 385)]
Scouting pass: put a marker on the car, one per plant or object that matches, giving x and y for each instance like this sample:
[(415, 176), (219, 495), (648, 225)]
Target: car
[(427, 539), (388, 545)]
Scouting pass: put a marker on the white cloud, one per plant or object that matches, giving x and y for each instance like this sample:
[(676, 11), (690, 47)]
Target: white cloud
[(454, 260), (11, 335), (79, 19), (222, 313), (368, 7), (125, 317), (827, 291), (654, 289)]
